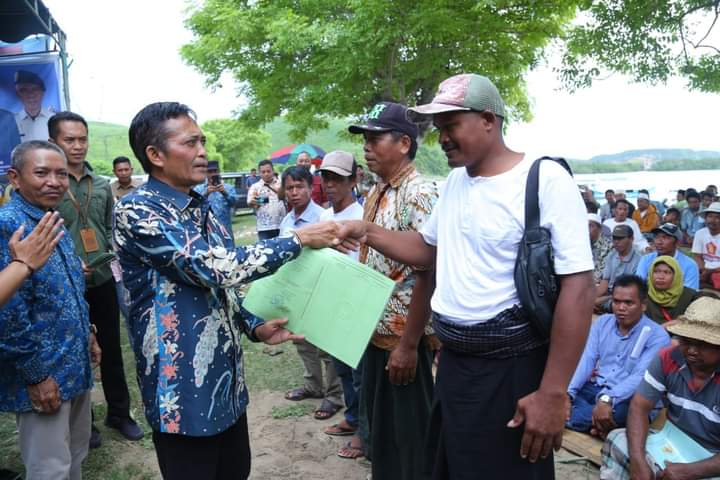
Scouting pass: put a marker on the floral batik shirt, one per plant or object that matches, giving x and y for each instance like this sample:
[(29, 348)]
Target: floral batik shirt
[(404, 204), (182, 272), (45, 326)]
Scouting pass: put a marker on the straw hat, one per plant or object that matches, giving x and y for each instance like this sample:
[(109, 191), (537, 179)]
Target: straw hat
[(701, 321)]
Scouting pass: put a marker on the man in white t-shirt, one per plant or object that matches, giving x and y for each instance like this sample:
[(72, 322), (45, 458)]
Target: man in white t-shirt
[(622, 210), (496, 372), (339, 177), (706, 247)]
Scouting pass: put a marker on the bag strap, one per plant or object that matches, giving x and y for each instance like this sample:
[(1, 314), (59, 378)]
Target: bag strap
[(532, 196)]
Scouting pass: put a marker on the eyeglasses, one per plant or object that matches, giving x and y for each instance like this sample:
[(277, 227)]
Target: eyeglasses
[(618, 238)]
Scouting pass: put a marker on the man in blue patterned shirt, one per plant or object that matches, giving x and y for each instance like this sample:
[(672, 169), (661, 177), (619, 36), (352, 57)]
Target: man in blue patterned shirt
[(186, 319), (222, 197), (45, 340)]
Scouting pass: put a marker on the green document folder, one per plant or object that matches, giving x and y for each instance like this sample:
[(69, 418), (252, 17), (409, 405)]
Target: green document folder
[(330, 298)]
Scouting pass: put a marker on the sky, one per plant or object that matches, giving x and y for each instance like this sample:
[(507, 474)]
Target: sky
[(125, 54)]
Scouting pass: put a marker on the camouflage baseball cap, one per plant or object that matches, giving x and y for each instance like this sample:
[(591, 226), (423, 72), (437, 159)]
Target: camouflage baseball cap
[(467, 91)]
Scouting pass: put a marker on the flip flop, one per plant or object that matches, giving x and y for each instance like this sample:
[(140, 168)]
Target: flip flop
[(338, 430), (326, 410), (350, 452), (301, 393)]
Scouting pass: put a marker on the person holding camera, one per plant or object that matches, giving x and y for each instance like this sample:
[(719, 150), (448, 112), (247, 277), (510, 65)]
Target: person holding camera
[(265, 197), (223, 198)]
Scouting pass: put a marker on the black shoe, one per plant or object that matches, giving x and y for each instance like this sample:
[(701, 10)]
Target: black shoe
[(95, 440), (126, 426)]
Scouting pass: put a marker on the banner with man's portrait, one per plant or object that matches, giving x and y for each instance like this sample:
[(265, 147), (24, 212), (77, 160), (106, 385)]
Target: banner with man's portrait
[(31, 91)]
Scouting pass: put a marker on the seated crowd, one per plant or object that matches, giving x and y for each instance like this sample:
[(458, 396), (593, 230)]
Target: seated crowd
[(656, 343)]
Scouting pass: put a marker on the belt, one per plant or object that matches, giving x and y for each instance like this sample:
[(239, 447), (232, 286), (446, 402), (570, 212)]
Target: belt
[(508, 334)]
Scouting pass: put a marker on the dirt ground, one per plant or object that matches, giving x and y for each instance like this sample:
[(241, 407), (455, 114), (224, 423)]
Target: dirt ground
[(296, 448), (288, 444)]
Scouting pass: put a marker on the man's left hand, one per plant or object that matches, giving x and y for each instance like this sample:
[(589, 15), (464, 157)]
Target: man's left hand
[(402, 365), (95, 351), (677, 471), (273, 332), (544, 416), (602, 418)]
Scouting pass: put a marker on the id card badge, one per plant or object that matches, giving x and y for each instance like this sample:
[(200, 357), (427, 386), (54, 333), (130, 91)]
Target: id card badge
[(89, 240)]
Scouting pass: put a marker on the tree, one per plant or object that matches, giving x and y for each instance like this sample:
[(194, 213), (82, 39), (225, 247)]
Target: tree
[(311, 59), (234, 145), (648, 40)]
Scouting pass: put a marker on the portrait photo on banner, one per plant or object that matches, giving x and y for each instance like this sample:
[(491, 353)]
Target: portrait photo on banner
[(30, 93)]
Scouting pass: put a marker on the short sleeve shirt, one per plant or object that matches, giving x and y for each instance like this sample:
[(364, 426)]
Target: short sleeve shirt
[(405, 206), (693, 407), (270, 214), (708, 246), (477, 226)]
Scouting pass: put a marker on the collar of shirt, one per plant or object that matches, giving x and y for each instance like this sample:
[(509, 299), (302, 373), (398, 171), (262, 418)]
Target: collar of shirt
[(28, 208), (307, 214), (180, 200), (632, 330), (43, 113)]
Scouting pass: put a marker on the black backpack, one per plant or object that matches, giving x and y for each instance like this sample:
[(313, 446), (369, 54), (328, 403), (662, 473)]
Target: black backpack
[(537, 285)]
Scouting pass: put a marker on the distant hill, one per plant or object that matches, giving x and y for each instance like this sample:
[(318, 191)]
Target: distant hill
[(107, 141), (656, 154)]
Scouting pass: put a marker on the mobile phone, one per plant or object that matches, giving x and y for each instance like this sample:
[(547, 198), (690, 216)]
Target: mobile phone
[(215, 180)]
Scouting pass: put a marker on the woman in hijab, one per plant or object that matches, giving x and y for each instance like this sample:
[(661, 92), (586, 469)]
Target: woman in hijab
[(668, 298)]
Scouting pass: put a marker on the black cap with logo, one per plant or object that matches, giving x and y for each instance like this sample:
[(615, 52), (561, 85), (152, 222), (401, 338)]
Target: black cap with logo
[(386, 117)]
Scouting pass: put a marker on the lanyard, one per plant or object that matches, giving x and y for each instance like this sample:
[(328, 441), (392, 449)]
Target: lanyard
[(83, 213)]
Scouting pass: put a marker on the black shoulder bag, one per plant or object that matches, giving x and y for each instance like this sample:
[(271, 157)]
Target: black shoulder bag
[(537, 285)]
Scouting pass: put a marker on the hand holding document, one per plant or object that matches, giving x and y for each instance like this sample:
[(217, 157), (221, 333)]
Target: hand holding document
[(334, 301)]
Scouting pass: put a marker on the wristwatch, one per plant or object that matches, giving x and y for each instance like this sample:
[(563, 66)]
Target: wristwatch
[(605, 398)]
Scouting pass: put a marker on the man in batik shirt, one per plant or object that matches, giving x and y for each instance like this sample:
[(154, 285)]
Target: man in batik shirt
[(186, 320), (397, 380)]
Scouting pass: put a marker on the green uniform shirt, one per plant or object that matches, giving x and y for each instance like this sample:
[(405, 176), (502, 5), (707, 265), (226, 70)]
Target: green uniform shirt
[(97, 215)]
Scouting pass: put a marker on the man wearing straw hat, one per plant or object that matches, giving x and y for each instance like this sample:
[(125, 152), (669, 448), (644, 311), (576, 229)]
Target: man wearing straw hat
[(685, 378)]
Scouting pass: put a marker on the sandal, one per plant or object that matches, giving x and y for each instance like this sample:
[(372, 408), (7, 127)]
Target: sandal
[(338, 430), (301, 393), (348, 451), (326, 410)]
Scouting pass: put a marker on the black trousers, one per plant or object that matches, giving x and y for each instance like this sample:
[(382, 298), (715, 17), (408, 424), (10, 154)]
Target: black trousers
[(225, 456), (398, 415), (475, 398), (105, 314)]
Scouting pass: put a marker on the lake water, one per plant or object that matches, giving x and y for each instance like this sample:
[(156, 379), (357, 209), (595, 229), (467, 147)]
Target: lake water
[(661, 185)]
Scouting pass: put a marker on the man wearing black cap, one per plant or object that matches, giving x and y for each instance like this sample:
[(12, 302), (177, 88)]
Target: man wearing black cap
[(397, 380), (32, 119), (501, 393), (222, 197)]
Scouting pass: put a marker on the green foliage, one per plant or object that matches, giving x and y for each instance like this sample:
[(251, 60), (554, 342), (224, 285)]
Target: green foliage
[(648, 40), (107, 141), (314, 59), (234, 145)]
